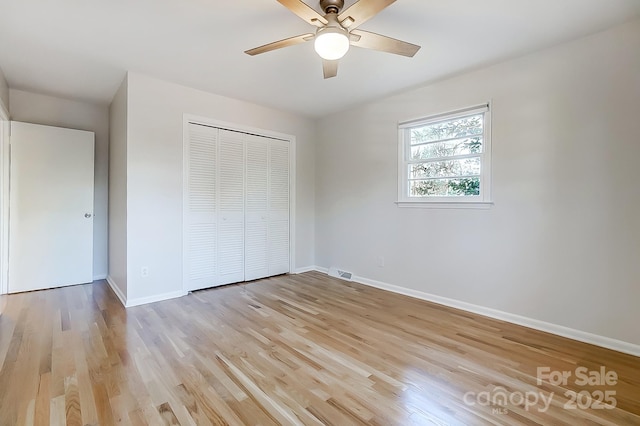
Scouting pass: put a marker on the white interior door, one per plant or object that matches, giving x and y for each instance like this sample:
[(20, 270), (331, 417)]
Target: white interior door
[(278, 207), (50, 207), (201, 226), (231, 207), (236, 207), (257, 208)]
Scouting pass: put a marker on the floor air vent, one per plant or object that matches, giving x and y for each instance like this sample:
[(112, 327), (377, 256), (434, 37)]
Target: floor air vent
[(335, 272)]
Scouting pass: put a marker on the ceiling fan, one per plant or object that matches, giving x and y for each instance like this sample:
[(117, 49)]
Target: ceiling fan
[(337, 31)]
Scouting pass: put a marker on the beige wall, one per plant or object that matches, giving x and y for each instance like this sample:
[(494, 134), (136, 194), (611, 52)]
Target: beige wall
[(154, 176), (51, 111), (118, 189), (562, 242)]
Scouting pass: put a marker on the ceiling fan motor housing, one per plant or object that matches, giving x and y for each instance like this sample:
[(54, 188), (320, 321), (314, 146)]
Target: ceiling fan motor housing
[(331, 6)]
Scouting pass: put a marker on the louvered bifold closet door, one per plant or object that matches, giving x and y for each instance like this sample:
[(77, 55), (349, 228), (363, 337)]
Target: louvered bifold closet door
[(201, 219), (231, 174), (278, 207), (256, 211)]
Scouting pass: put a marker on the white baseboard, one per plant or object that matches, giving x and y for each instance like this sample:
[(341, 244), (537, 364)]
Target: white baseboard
[(581, 336), (157, 298), (117, 291), (305, 269), (141, 300), (321, 269)]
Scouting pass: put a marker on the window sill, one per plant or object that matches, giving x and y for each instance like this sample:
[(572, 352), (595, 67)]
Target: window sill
[(445, 204)]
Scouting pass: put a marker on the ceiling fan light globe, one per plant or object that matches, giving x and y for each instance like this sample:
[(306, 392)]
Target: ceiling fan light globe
[(331, 45)]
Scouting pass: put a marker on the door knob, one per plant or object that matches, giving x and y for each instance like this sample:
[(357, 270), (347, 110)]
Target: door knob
[(87, 215)]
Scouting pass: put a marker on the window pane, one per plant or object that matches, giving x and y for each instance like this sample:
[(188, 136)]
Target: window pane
[(450, 148), (457, 128), (445, 187), (449, 168)]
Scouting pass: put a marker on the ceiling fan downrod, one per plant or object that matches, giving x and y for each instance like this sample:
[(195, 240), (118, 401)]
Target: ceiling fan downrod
[(331, 6)]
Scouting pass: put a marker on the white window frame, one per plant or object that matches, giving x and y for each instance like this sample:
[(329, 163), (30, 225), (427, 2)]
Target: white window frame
[(404, 142)]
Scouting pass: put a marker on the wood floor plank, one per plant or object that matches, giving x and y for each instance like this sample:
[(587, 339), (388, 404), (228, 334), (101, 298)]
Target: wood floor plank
[(301, 349), (72, 401)]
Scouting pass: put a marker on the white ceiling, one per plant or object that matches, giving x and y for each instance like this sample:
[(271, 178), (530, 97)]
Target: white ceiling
[(81, 48)]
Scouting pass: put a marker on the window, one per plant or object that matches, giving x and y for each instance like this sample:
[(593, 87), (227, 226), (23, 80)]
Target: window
[(446, 159)]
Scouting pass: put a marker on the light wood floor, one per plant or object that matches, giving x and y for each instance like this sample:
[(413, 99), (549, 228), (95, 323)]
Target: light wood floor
[(303, 349)]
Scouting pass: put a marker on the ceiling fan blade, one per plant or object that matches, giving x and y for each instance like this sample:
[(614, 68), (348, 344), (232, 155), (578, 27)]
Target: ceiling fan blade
[(280, 44), (382, 43), (305, 12), (361, 11), (329, 68)]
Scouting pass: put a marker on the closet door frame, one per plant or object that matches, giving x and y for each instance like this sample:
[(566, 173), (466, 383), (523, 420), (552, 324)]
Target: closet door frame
[(189, 118)]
